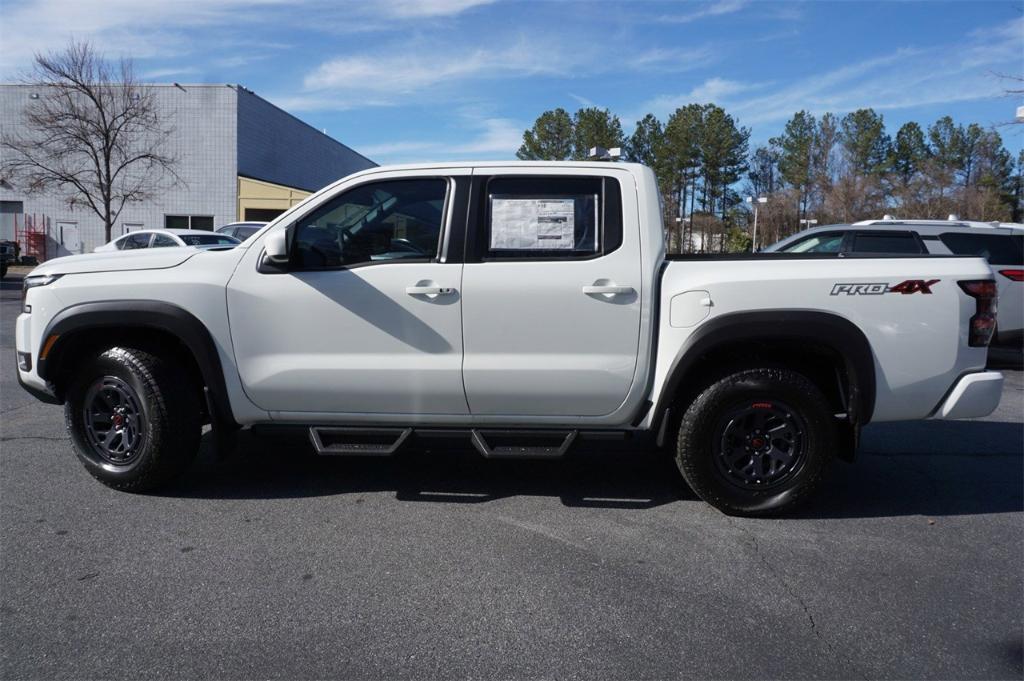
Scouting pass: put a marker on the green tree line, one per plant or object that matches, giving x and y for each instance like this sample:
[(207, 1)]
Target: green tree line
[(827, 169)]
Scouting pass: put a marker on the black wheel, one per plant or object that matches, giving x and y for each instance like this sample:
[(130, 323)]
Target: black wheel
[(3, 270), (756, 442), (134, 419)]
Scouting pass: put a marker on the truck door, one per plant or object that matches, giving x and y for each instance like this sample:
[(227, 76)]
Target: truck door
[(366, 317), (551, 293)]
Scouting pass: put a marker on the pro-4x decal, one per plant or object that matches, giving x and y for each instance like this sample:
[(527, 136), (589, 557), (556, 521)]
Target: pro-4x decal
[(905, 287)]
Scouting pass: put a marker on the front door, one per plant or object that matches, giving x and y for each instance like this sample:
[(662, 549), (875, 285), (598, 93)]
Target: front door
[(366, 319), (552, 303)]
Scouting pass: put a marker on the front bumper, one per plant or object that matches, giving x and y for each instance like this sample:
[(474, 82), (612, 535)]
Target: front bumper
[(43, 394), (972, 396)]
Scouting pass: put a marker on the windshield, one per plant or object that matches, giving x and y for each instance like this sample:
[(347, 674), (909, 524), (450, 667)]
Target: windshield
[(208, 239)]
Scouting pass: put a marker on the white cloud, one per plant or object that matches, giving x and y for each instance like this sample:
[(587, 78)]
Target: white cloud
[(489, 138), (418, 9), (712, 91), (157, 74), (498, 137), (145, 29), (671, 59), (712, 9), (414, 70), (907, 77)]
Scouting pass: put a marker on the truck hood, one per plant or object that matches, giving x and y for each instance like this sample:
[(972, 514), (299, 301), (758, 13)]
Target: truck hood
[(116, 261)]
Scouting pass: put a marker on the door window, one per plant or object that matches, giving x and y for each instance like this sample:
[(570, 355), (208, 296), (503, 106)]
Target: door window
[(819, 243), (543, 218), (133, 241), (162, 241), (390, 221), (886, 242)]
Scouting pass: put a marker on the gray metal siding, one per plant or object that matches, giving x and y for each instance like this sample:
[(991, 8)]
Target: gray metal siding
[(204, 140), (274, 146)]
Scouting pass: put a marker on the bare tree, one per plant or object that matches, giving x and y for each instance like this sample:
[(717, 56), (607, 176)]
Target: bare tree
[(94, 133)]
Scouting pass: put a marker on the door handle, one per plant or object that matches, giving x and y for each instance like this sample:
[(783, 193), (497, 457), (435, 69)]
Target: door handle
[(608, 290), (429, 290)]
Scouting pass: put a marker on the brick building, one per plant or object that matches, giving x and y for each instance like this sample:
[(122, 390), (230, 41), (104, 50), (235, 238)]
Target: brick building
[(239, 158)]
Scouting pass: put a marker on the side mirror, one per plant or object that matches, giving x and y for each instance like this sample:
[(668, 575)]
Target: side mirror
[(275, 247)]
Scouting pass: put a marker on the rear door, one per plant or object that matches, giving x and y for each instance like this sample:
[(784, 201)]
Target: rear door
[(552, 292)]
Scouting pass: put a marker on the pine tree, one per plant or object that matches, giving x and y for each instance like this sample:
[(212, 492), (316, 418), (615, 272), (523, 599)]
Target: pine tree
[(550, 138), (595, 127)]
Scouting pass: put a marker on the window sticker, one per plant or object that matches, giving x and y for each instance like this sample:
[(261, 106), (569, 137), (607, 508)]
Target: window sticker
[(533, 224)]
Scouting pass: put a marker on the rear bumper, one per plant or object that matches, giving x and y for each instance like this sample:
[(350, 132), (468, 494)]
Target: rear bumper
[(972, 396)]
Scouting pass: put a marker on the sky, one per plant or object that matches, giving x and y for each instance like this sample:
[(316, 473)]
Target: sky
[(407, 81)]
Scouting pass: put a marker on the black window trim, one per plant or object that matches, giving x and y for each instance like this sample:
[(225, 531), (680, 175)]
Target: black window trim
[(269, 268), (479, 218)]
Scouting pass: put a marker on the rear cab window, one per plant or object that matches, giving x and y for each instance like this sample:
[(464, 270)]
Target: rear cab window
[(549, 218), (998, 249)]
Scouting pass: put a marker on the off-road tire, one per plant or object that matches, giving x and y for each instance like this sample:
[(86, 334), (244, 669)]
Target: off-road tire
[(170, 427), (702, 438)]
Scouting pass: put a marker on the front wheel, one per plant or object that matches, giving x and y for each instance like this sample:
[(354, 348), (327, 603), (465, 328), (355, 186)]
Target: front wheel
[(756, 442), (134, 419)]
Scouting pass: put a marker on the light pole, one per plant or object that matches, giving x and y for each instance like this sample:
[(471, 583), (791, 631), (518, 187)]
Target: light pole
[(760, 200)]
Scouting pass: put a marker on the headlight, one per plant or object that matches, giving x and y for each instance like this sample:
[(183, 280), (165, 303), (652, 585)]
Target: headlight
[(31, 282)]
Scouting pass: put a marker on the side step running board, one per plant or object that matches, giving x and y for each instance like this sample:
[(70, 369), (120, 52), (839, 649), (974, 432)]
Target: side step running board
[(358, 441), (522, 444)]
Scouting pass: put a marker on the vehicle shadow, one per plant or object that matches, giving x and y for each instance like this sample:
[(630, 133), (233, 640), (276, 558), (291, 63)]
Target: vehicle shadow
[(284, 466), (937, 468)]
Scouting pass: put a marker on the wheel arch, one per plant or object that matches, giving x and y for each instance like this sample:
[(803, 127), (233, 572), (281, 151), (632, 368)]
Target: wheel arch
[(81, 327), (806, 338)]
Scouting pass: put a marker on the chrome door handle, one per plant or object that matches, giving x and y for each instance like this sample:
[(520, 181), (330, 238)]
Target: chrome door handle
[(608, 290), (429, 290)]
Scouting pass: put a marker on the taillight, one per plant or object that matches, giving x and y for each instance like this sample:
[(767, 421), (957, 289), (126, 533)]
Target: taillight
[(983, 323), (1013, 275)]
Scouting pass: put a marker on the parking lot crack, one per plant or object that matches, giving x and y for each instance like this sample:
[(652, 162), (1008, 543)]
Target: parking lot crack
[(780, 578)]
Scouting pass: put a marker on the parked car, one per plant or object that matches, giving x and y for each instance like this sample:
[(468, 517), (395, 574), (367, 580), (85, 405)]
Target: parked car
[(241, 230), (540, 314), (160, 238), (8, 256), (1000, 243)]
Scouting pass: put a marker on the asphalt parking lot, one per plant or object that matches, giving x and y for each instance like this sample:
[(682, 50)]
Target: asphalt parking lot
[(276, 564)]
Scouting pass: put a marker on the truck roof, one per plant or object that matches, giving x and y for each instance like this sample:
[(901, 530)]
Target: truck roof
[(951, 221)]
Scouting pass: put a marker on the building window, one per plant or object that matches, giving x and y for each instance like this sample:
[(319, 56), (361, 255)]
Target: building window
[(188, 222), (261, 214)]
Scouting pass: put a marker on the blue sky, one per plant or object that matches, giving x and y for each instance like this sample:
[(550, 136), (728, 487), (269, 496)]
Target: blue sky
[(442, 79)]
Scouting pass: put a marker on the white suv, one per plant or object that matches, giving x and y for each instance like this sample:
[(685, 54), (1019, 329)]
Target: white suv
[(1001, 243)]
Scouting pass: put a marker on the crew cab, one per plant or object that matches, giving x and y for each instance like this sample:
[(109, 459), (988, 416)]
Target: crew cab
[(525, 309)]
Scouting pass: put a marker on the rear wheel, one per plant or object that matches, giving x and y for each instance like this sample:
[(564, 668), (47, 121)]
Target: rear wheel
[(134, 419), (756, 442)]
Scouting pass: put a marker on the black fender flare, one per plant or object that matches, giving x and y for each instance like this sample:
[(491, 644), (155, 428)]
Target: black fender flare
[(142, 314), (821, 328)]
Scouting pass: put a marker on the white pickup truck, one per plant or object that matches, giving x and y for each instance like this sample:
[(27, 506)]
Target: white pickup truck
[(525, 308)]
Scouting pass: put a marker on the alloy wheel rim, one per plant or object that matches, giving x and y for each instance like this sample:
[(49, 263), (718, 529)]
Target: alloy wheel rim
[(760, 445), (114, 421)]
